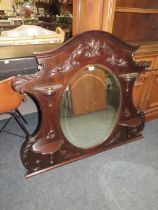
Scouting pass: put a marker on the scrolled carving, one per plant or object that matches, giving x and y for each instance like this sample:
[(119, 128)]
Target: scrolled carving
[(90, 49), (113, 59), (35, 153), (37, 159), (25, 155), (21, 79), (135, 126), (144, 64), (142, 119), (68, 64)]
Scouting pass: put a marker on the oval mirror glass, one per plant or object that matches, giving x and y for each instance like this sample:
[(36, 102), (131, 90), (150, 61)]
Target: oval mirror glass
[(90, 106)]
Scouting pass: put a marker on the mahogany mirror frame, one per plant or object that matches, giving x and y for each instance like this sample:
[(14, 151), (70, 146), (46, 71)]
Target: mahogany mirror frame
[(48, 148)]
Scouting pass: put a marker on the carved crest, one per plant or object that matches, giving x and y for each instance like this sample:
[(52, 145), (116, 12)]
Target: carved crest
[(90, 49)]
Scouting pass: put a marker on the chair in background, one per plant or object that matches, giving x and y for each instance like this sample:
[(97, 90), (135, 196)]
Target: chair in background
[(10, 100)]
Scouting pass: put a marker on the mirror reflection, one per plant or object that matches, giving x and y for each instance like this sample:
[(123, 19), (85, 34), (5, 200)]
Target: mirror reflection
[(90, 106)]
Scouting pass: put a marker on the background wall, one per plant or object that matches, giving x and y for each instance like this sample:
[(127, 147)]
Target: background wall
[(5, 4)]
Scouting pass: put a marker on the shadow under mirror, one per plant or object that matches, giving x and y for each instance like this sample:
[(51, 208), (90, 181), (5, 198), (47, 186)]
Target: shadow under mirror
[(90, 106)]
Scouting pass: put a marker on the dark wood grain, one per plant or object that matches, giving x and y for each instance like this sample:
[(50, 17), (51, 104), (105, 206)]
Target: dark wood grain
[(146, 4), (49, 148), (136, 27)]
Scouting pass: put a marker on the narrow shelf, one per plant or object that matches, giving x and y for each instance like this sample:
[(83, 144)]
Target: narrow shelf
[(146, 48), (48, 90), (132, 123), (136, 10)]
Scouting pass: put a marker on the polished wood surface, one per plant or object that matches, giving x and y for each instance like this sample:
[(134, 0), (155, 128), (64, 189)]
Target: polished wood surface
[(136, 10), (141, 21), (145, 88), (118, 17), (91, 14), (48, 147), (143, 30), (146, 31), (85, 11), (135, 4), (108, 15)]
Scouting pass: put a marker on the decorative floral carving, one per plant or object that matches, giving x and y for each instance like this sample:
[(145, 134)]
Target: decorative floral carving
[(69, 63), (20, 79), (90, 49), (113, 59)]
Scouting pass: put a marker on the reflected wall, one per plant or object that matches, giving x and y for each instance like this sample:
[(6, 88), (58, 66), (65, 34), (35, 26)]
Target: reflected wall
[(90, 106)]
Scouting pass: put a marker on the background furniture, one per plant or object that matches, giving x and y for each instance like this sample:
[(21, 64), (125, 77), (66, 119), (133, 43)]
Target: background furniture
[(16, 60), (31, 35), (82, 88), (134, 22)]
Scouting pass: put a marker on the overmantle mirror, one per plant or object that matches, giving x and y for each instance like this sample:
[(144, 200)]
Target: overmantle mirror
[(90, 106), (84, 92)]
